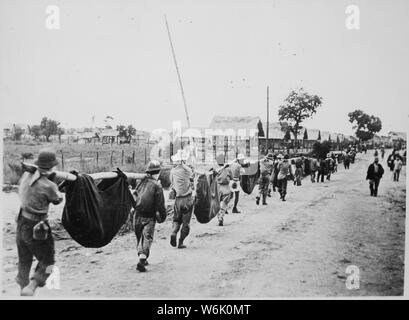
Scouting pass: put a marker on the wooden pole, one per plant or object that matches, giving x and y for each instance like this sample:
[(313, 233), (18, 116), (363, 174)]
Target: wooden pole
[(122, 157), (268, 119), (62, 160), (112, 153), (97, 157), (178, 73)]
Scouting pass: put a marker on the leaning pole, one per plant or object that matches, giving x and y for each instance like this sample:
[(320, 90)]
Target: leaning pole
[(178, 73)]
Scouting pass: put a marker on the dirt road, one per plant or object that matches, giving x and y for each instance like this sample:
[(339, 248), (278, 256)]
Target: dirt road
[(297, 248)]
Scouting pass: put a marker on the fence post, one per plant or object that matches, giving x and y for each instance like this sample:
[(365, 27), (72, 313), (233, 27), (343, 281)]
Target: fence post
[(112, 153), (145, 155), (97, 157), (226, 148), (122, 157), (81, 156), (133, 157), (237, 147), (62, 160)]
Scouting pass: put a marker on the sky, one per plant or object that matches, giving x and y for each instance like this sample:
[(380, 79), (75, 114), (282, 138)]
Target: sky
[(113, 58)]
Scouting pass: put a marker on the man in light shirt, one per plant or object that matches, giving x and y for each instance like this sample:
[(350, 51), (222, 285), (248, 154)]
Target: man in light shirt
[(181, 178)]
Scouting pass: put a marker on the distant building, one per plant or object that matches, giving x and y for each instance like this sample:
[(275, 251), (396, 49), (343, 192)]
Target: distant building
[(109, 136)]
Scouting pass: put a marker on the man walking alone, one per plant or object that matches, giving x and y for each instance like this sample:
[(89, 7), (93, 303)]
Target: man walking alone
[(374, 175)]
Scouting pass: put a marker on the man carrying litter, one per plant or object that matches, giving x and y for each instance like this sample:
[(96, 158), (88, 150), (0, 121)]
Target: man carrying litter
[(237, 169), (266, 169), (224, 178), (181, 178), (34, 237), (149, 209)]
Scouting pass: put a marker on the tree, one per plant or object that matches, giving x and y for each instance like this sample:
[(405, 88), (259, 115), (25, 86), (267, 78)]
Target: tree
[(329, 137), (319, 135), (287, 136), (366, 125), (35, 131), (298, 106), (17, 133), (131, 131), (60, 132), (321, 150), (122, 132), (49, 127), (126, 132), (260, 129), (305, 135)]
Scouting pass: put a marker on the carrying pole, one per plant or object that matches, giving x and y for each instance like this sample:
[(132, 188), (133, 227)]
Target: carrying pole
[(177, 71), (268, 119)]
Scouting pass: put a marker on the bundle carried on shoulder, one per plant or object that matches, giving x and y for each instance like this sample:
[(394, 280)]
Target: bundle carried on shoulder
[(93, 214), (207, 203), (250, 177)]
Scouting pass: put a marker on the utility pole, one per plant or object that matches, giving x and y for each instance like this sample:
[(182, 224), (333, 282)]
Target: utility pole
[(268, 119), (177, 71)]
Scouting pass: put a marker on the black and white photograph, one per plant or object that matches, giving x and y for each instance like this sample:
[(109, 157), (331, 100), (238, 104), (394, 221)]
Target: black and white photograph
[(188, 150)]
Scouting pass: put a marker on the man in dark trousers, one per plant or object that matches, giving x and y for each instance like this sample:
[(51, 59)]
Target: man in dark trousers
[(374, 175), (266, 169), (34, 237), (149, 209)]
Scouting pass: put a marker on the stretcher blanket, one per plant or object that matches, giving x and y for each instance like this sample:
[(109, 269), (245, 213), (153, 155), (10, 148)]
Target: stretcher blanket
[(207, 203), (93, 214), (250, 177)]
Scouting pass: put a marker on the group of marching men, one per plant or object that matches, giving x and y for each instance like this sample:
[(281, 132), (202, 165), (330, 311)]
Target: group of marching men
[(37, 190)]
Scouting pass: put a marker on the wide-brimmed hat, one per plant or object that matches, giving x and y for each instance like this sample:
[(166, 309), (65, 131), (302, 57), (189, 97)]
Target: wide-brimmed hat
[(270, 156), (181, 155), (46, 159), (240, 157), (153, 166)]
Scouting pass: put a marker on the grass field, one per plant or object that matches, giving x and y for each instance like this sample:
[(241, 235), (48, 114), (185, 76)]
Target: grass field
[(87, 158)]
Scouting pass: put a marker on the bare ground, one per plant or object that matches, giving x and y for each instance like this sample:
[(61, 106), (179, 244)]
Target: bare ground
[(298, 248)]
